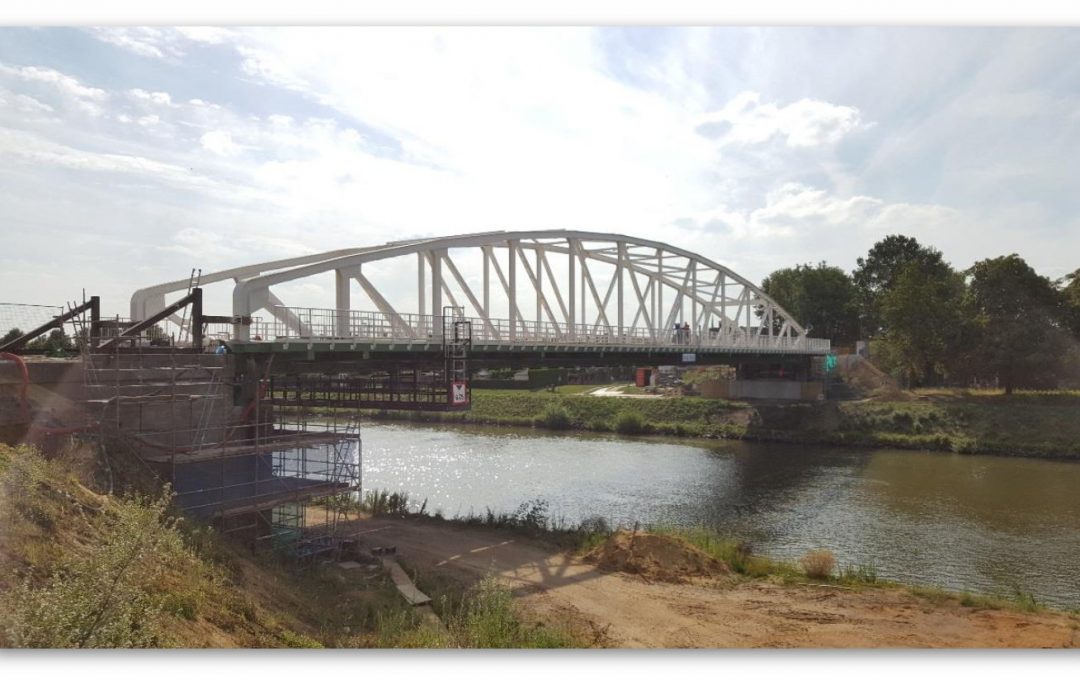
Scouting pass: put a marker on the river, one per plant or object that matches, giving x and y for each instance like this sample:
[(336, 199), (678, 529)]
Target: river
[(992, 525)]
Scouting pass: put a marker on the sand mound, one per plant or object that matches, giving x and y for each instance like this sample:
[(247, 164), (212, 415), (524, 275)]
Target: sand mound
[(656, 557)]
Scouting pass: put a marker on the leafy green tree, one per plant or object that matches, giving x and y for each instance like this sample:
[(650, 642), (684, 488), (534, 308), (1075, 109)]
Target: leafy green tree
[(925, 322), (1020, 318), (821, 298), (1070, 296), (877, 273)]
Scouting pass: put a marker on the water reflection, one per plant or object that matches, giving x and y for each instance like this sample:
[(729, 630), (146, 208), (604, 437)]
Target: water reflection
[(989, 524)]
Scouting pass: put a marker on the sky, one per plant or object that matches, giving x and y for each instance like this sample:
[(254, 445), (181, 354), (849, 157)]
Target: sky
[(129, 156)]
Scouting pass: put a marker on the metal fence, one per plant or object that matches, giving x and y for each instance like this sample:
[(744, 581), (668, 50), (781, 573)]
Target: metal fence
[(307, 323)]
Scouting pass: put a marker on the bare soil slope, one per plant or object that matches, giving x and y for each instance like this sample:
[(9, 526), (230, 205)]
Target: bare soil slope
[(719, 610)]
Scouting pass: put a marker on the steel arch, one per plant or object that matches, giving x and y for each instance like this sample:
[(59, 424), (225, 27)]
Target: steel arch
[(718, 306)]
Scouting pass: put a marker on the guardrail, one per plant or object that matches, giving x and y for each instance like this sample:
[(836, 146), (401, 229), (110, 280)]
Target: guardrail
[(308, 323)]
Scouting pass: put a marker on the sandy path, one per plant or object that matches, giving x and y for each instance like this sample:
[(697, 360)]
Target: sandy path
[(723, 613), (615, 392)]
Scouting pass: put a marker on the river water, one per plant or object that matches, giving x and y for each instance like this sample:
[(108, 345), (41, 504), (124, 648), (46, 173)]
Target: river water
[(992, 525)]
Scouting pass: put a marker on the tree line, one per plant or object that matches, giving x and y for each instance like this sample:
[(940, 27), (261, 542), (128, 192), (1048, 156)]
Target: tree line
[(998, 321)]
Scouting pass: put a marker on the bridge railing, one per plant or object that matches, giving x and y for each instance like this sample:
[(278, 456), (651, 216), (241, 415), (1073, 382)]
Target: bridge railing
[(307, 323)]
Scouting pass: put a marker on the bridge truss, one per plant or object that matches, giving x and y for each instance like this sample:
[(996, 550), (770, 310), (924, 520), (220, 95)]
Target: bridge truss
[(547, 287)]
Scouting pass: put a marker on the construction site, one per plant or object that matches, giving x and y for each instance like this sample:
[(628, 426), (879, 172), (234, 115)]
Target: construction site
[(250, 416), (265, 448)]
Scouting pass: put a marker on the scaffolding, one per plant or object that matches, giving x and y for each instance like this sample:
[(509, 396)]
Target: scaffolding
[(206, 427), (267, 455), (432, 384)]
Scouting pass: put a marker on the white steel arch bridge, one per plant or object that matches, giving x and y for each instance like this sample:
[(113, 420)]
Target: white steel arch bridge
[(544, 288)]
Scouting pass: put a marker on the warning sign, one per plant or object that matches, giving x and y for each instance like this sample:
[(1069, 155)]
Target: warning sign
[(460, 397)]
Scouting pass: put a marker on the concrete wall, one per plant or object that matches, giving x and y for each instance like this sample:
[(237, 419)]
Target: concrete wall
[(762, 389), (163, 397), (56, 387)]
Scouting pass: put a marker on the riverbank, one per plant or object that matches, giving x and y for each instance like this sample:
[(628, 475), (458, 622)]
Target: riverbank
[(83, 568), (652, 591), (1022, 425)]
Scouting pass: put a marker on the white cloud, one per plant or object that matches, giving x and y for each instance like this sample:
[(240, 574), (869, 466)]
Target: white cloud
[(804, 123), (795, 210), (220, 143), (170, 44), (144, 41), (87, 99), (156, 97), (213, 35), (26, 147), (24, 103)]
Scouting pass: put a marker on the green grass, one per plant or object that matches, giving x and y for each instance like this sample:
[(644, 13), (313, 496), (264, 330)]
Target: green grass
[(1021, 425), (990, 395), (89, 570), (553, 416), (630, 422), (1017, 601), (481, 617), (688, 416), (737, 554)]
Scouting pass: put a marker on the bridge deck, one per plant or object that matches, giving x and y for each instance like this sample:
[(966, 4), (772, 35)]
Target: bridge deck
[(346, 344)]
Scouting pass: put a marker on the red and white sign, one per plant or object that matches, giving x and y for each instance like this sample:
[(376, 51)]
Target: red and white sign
[(460, 397)]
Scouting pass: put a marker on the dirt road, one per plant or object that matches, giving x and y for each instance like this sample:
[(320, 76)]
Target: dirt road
[(720, 612)]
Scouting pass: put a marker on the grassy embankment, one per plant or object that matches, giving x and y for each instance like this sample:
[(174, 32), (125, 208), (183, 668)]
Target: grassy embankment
[(83, 569), (1036, 424), (688, 416)]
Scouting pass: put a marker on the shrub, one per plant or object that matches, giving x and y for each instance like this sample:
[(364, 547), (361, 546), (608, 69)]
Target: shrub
[(531, 514), (378, 502), (818, 564), (486, 619), (116, 593), (554, 416), (629, 422)]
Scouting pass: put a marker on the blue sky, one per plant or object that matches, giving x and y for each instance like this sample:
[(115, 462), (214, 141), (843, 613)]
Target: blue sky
[(130, 155)]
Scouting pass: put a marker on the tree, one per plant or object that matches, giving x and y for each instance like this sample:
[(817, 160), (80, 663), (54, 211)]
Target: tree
[(925, 322), (12, 334), (875, 275), (1020, 320), (821, 298), (56, 344), (1070, 297)]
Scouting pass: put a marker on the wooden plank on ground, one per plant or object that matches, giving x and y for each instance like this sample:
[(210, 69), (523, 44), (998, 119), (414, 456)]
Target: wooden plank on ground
[(404, 584)]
